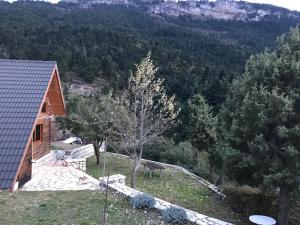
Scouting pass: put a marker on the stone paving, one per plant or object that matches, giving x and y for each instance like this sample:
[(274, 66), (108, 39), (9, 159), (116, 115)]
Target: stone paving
[(60, 178)]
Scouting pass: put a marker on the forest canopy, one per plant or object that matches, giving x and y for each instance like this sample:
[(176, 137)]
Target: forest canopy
[(194, 57)]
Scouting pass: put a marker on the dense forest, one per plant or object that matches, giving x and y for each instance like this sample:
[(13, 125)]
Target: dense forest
[(250, 148), (106, 41)]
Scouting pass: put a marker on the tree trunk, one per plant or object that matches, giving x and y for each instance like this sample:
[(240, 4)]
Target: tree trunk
[(104, 158), (138, 157), (135, 168), (96, 149), (283, 206)]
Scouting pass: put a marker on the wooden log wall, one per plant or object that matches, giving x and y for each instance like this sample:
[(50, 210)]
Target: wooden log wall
[(43, 147), (26, 168)]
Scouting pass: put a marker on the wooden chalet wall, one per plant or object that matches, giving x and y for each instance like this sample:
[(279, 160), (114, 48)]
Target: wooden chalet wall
[(55, 97), (42, 148), (26, 168), (55, 106)]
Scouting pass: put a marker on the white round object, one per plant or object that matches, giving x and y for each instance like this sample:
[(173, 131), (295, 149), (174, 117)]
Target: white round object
[(262, 220)]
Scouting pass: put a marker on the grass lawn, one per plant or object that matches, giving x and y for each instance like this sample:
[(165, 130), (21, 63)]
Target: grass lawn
[(173, 186), (67, 208)]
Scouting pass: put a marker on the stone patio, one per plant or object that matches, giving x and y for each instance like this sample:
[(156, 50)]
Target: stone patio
[(60, 178), (52, 174)]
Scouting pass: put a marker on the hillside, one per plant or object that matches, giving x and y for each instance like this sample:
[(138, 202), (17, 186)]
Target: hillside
[(106, 41)]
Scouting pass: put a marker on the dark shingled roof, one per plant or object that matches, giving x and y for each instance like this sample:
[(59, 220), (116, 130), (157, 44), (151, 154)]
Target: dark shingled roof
[(23, 84)]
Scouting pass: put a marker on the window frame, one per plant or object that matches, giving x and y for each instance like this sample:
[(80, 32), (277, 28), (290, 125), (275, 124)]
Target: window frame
[(44, 108), (41, 132)]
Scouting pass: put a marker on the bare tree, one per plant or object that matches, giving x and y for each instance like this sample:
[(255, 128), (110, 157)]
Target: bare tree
[(127, 122), (143, 111)]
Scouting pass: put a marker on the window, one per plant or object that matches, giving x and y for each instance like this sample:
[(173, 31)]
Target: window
[(44, 108), (38, 133)]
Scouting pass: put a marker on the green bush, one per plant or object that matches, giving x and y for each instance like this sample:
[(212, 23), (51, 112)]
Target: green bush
[(248, 200), (166, 150), (181, 154), (153, 150), (142, 201), (174, 215)]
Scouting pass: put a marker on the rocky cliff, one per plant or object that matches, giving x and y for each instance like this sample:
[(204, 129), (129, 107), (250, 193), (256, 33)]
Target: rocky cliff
[(200, 9)]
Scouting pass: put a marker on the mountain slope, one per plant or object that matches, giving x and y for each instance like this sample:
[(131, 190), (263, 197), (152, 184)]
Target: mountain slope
[(106, 41)]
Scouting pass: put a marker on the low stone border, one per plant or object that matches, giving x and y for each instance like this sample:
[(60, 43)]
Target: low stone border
[(204, 182), (85, 151), (118, 178), (160, 204)]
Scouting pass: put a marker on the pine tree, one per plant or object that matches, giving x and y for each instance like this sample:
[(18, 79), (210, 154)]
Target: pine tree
[(262, 120), (200, 128)]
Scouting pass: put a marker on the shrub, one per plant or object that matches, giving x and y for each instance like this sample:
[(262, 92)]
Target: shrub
[(181, 154), (153, 150), (249, 200), (174, 215), (166, 150), (142, 201)]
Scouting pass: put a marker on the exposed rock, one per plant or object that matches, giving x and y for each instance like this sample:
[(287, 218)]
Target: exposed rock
[(79, 87), (200, 9)]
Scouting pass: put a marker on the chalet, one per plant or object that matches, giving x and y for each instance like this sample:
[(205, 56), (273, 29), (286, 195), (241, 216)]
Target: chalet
[(30, 97)]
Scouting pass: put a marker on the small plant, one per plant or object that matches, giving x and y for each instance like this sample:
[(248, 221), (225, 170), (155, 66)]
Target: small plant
[(142, 201), (174, 215)]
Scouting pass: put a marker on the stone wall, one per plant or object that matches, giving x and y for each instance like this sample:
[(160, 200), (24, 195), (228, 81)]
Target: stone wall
[(83, 152), (160, 204), (77, 158)]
